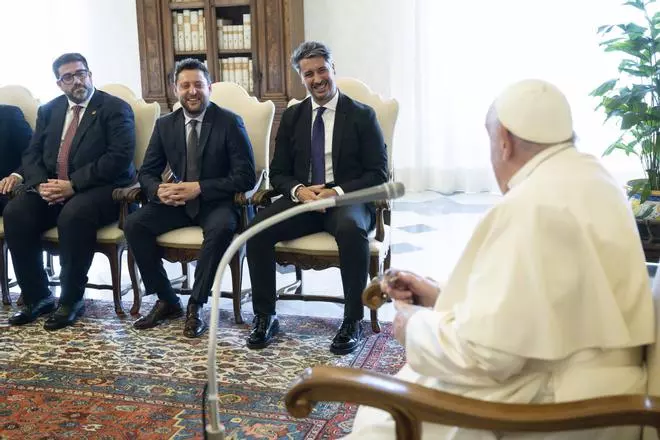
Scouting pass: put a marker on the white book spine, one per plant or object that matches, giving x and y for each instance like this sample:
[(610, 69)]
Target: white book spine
[(180, 36), (202, 30), (175, 32), (250, 76), (225, 70), (187, 32), (194, 30)]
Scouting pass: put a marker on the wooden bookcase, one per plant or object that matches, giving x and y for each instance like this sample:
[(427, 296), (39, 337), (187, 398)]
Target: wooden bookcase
[(276, 29)]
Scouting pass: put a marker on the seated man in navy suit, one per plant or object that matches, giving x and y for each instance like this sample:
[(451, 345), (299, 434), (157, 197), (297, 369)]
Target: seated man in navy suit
[(327, 145), (211, 159), (81, 150), (15, 133)]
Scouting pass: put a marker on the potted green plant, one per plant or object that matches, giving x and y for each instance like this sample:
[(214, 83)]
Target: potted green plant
[(633, 98)]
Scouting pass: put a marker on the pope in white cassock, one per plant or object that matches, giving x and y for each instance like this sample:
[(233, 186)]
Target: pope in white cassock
[(550, 301)]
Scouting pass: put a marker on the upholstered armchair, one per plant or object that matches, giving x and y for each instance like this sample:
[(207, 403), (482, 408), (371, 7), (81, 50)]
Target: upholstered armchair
[(411, 404), (29, 105), (319, 251), (110, 240), (183, 245)]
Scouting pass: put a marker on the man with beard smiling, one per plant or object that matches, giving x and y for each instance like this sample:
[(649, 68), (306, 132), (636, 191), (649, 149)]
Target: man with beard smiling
[(81, 150), (327, 145), (208, 148)]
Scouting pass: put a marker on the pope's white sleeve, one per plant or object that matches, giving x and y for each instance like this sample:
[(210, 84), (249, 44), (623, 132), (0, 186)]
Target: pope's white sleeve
[(434, 349)]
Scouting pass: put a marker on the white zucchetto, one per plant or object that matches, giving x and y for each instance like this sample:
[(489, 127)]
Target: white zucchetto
[(536, 111)]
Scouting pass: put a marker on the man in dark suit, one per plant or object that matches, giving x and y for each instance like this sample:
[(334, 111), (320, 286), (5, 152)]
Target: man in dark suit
[(327, 145), (211, 159), (15, 133), (81, 150)]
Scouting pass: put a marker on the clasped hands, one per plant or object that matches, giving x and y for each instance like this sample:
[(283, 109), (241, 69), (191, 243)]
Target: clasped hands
[(55, 191), (177, 194), (411, 293), (307, 194), (8, 183)]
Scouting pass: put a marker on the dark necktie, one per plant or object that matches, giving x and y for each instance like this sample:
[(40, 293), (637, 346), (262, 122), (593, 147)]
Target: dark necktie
[(65, 148), (318, 149), (192, 168)]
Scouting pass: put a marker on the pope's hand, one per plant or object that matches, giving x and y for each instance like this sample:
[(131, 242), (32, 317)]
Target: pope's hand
[(404, 312), (410, 288)]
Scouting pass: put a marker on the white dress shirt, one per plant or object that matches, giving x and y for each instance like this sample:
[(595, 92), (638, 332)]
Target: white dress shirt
[(329, 125)]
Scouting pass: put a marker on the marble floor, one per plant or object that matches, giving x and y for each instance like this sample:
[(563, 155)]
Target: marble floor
[(429, 231)]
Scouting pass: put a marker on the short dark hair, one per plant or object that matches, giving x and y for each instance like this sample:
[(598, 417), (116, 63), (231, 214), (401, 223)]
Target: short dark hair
[(190, 64), (66, 59), (310, 49)]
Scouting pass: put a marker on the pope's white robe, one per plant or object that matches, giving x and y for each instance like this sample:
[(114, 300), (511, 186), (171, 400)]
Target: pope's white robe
[(549, 302)]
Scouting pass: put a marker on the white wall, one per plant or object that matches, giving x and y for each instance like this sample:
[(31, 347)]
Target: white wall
[(358, 34), (34, 33)]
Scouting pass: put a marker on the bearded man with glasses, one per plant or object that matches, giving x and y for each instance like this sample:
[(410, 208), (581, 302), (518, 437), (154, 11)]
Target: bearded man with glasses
[(81, 150)]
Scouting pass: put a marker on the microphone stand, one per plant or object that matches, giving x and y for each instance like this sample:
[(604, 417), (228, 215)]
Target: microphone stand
[(214, 429)]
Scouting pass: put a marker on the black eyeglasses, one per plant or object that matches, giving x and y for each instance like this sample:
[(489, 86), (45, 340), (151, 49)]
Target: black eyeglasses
[(67, 78)]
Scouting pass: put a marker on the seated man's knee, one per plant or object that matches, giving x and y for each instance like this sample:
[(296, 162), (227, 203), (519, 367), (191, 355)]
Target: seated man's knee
[(17, 210), (131, 225), (218, 234), (348, 229), (72, 220)]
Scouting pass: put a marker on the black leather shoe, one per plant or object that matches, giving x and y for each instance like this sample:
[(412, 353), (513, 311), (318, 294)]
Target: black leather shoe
[(195, 325), (65, 315), (264, 327), (159, 313), (30, 312), (348, 337)]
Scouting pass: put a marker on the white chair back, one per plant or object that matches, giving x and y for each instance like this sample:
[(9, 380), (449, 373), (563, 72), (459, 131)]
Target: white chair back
[(387, 110), (21, 97), (652, 355), (257, 116), (145, 118)]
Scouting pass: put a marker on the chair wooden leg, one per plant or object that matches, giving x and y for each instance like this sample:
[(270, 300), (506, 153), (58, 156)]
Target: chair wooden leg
[(388, 260), (299, 278), (4, 275), (375, 325), (185, 286), (114, 256), (135, 282), (50, 270), (236, 267), (374, 271)]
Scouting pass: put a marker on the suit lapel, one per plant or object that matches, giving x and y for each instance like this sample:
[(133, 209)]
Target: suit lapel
[(87, 120), (304, 135), (179, 167), (338, 131), (57, 120), (204, 134)]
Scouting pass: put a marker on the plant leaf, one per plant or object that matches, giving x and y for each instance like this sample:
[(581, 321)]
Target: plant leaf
[(604, 88)]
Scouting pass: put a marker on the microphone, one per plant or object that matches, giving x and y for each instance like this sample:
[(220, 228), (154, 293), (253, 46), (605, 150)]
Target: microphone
[(214, 429), (386, 191)]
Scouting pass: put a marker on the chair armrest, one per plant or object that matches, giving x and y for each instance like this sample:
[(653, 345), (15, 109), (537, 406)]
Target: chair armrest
[(383, 209), (127, 196), (261, 198), (411, 404)]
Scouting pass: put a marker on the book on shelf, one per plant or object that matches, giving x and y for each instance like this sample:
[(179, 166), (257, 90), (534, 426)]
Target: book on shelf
[(234, 36), (237, 70), (188, 30)]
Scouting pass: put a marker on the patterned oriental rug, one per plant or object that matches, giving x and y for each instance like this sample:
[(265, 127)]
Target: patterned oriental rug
[(102, 379)]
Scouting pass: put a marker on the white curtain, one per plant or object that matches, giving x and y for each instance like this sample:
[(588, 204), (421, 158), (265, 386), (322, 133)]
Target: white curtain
[(34, 33), (449, 59)]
